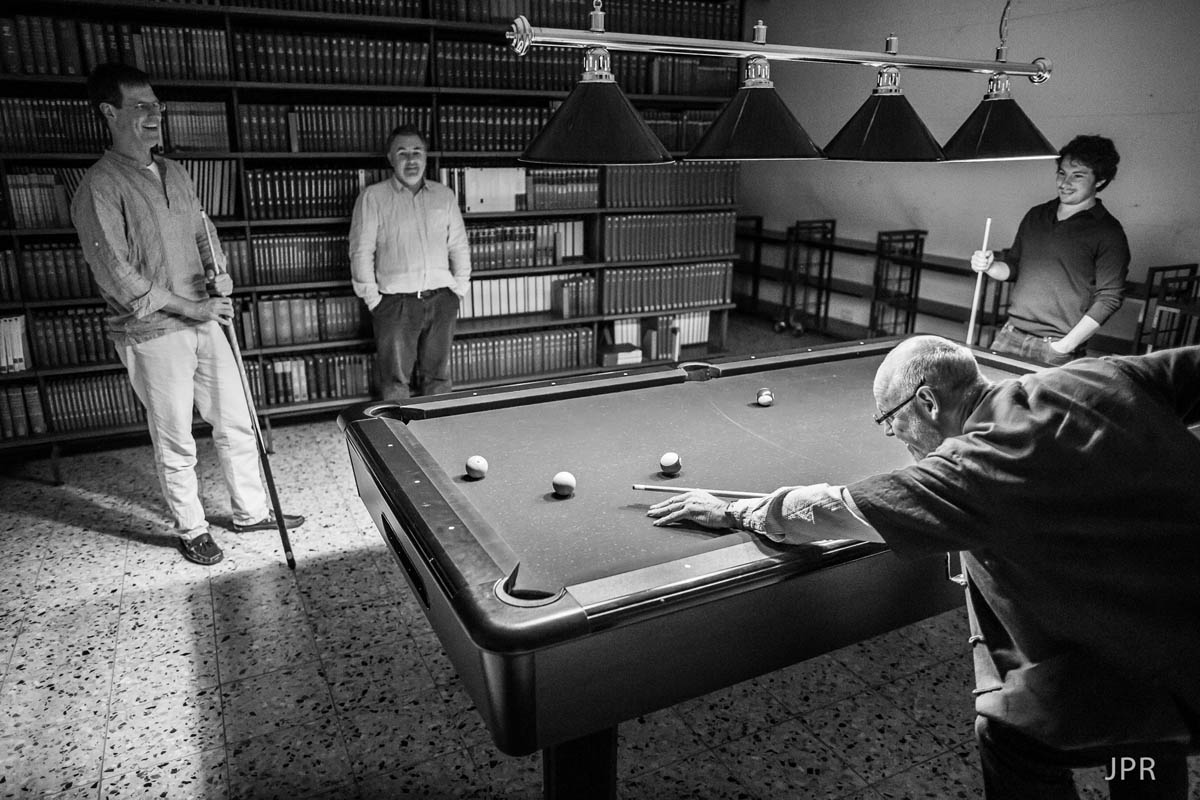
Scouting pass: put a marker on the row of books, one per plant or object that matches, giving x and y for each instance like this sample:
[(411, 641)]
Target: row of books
[(92, 402), (655, 338), (690, 183), (300, 319), (486, 128), (288, 258), (196, 127), (12, 344), (377, 8), (36, 45), (499, 189), (679, 130), (40, 125), (534, 244), (303, 193), (489, 65), (71, 126), (325, 58), (573, 296), (645, 237), (492, 358), (41, 198), (45, 272), (502, 297), (707, 19), (311, 378), (21, 413), (636, 290), (70, 337), (275, 128)]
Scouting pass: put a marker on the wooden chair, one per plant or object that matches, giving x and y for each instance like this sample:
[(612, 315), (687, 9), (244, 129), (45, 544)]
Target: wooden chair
[(1144, 334), (897, 284), (808, 268)]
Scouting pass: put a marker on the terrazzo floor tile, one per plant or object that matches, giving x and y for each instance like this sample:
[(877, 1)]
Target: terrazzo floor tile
[(359, 626), (701, 777), (732, 713), (265, 647), (817, 682), (168, 774), (277, 700), (398, 666), (194, 666), (449, 777), (385, 735), (944, 635), (885, 658), (31, 701), (498, 776), (788, 761), (939, 698), (289, 763), (181, 719), (949, 776), (462, 715), (51, 758), (874, 737), (653, 741)]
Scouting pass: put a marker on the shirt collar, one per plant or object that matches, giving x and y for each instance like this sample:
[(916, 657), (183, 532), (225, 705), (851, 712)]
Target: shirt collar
[(400, 187), (125, 160)]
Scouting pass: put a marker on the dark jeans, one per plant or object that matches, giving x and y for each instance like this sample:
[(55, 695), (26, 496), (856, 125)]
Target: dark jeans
[(413, 337), (1037, 348), (1016, 767)]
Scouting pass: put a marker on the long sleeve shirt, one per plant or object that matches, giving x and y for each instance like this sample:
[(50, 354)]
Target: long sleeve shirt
[(403, 241), (145, 238), (1066, 269), (1072, 493)]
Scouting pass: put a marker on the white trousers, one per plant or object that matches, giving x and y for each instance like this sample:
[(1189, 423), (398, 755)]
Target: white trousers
[(173, 373)]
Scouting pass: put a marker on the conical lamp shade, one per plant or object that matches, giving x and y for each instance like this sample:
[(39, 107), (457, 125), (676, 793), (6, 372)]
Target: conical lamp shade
[(998, 130), (755, 124), (885, 128), (596, 125)]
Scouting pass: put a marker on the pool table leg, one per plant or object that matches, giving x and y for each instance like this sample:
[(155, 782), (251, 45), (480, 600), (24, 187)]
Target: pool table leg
[(581, 769)]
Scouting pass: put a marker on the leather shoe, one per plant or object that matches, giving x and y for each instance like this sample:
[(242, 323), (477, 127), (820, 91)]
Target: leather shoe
[(268, 523), (201, 550)]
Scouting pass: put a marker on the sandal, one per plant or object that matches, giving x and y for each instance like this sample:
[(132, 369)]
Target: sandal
[(201, 550)]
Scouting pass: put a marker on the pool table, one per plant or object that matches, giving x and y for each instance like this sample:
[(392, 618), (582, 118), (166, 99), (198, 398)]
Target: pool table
[(566, 616)]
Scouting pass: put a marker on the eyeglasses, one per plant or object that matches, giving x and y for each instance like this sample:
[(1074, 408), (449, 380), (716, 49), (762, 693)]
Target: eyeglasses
[(887, 415), (148, 108)]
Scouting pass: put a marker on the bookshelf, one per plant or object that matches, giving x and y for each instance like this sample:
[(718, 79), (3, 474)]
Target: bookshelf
[(278, 109)]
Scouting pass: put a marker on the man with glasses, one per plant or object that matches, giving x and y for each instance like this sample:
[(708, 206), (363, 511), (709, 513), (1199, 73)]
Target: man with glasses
[(1072, 494), (155, 258)]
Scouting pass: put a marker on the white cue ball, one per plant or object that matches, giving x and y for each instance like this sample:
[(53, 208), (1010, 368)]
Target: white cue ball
[(670, 464), (477, 467), (765, 397), (564, 484)]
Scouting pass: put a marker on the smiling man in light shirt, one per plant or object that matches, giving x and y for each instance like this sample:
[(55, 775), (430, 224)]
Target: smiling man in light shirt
[(410, 262), (159, 267)]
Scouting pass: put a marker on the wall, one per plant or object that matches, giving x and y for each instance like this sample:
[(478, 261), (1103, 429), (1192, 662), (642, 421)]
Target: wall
[(1126, 70)]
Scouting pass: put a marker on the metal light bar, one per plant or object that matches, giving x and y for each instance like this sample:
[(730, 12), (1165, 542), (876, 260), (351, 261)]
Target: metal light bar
[(522, 36)]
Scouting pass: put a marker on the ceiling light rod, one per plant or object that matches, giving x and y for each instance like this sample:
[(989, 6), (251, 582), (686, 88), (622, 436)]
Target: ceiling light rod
[(522, 36)]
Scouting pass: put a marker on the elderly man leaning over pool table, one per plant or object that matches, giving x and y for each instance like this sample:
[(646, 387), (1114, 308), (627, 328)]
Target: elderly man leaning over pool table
[(1074, 494)]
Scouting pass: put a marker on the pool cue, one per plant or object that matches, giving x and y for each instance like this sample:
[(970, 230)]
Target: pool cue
[(987, 228), (660, 487), (258, 437)]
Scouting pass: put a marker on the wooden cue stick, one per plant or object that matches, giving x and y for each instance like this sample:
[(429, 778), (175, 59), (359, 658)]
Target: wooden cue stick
[(987, 228), (660, 487)]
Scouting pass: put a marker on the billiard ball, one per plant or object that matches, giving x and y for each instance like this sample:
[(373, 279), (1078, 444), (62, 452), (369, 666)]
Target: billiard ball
[(670, 464), (564, 484), (477, 467), (765, 397)]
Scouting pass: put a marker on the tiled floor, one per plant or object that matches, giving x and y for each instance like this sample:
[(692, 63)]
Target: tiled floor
[(127, 672)]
